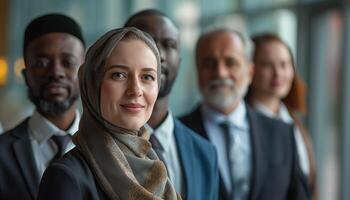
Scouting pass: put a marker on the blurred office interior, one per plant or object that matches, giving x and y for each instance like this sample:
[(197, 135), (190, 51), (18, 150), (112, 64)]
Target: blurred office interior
[(318, 32)]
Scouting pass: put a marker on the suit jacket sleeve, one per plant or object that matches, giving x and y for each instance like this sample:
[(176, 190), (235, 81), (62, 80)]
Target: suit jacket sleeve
[(59, 183)]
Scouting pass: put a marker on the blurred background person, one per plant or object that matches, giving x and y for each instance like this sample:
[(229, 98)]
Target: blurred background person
[(257, 155), (53, 51), (191, 161), (113, 158), (278, 92)]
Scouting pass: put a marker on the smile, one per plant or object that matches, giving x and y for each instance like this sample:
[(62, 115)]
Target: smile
[(132, 107)]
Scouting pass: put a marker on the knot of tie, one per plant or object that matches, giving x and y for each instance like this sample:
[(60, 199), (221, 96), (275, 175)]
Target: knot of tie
[(61, 142)]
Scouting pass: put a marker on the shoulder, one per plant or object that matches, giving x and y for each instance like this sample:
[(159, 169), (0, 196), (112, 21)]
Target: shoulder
[(267, 123), (198, 142), (8, 138), (67, 178), (72, 163), (188, 118)]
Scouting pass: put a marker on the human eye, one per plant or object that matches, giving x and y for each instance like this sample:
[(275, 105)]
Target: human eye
[(119, 75), (209, 63), (148, 77), (231, 62), (69, 63), (41, 63), (170, 44)]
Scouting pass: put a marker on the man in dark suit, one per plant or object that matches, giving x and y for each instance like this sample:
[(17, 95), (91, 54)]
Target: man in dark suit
[(257, 156), (53, 51), (191, 161)]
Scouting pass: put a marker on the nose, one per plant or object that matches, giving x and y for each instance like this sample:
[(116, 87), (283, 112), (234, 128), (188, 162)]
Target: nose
[(221, 70), (134, 87), (56, 71), (277, 70)]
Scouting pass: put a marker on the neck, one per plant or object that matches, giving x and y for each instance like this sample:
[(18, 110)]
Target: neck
[(159, 113), (271, 103), (64, 120)]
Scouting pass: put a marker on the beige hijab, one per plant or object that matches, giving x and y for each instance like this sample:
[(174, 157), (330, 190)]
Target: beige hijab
[(122, 161)]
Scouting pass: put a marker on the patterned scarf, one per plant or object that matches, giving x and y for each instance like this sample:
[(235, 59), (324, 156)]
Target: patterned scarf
[(122, 161)]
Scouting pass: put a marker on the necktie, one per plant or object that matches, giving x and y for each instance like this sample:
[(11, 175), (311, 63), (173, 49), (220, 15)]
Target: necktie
[(157, 147), (238, 156), (229, 140), (61, 142)]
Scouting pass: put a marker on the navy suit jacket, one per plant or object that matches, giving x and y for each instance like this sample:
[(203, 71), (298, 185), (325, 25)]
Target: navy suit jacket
[(275, 171), (199, 163), (70, 178), (18, 173)]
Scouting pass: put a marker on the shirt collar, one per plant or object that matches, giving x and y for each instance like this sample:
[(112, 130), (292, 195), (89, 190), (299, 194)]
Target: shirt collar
[(164, 132), (237, 117), (42, 129), (282, 114)]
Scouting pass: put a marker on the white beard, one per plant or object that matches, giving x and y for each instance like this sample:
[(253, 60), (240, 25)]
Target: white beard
[(223, 100)]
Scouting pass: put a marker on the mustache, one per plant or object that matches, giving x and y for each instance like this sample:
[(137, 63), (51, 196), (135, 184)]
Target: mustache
[(221, 82)]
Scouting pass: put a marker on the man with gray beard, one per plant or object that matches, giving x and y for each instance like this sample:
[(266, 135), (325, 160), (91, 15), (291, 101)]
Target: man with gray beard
[(53, 50), (257, 156)]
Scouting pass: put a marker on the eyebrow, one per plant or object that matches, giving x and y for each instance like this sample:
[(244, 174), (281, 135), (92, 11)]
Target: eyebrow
[(147, 69)]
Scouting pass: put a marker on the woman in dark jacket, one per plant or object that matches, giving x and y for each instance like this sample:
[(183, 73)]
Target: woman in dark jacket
[(113, 159), (278, 92)]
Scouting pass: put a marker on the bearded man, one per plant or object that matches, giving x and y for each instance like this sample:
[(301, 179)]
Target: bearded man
[(257, 156), (53, 51)]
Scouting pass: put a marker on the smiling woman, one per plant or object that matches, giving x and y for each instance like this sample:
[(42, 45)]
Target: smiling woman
[(113, 159), (129, 87)]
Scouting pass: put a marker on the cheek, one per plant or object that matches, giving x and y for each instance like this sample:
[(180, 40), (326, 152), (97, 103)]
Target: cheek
[(111, 93), (151, 93), (203, 77), (290, 75)]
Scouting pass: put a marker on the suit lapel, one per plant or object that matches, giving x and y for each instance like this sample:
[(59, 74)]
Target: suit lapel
[(186, 154), (197, 123), (258, 160), (24, 155)]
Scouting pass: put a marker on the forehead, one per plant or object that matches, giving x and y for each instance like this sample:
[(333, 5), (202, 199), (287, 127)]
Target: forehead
[(274, 48), (133, 52), (156, 26), (221, 43), (53, 43), (228, 42)]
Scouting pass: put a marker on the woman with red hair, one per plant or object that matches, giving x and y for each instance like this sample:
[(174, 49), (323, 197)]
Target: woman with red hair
[(278, 92)]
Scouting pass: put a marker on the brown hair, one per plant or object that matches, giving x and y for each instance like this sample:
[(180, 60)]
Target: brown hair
[(295, 99)]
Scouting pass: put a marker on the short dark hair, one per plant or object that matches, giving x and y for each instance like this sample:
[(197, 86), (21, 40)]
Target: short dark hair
[(146, 12)]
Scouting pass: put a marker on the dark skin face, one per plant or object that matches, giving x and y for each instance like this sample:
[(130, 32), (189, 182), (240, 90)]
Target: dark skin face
[(166, 36), (52, 62)]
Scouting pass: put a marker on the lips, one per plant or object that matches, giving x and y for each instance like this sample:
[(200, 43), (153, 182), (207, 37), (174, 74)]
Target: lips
[(132, 107), (56, 88)]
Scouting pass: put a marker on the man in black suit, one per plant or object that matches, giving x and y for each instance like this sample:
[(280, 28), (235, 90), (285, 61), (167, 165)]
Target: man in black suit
[(257, 156), (191, 161), (53, 51)]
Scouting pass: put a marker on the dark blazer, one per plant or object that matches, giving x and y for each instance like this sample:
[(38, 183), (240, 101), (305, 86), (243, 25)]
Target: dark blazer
[(18, 173), (275, 172), (70, 178)]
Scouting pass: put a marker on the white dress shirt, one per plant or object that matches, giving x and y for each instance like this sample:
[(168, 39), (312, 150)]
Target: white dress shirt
[(165, 135), (40, 131), (241, 134), (284, 115)]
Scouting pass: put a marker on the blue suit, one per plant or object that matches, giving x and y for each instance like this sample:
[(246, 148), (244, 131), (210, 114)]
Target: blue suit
[(199, 163)]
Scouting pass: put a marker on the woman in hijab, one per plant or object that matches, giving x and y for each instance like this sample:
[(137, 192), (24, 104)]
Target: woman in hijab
[(113, 159), (278, 92)]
